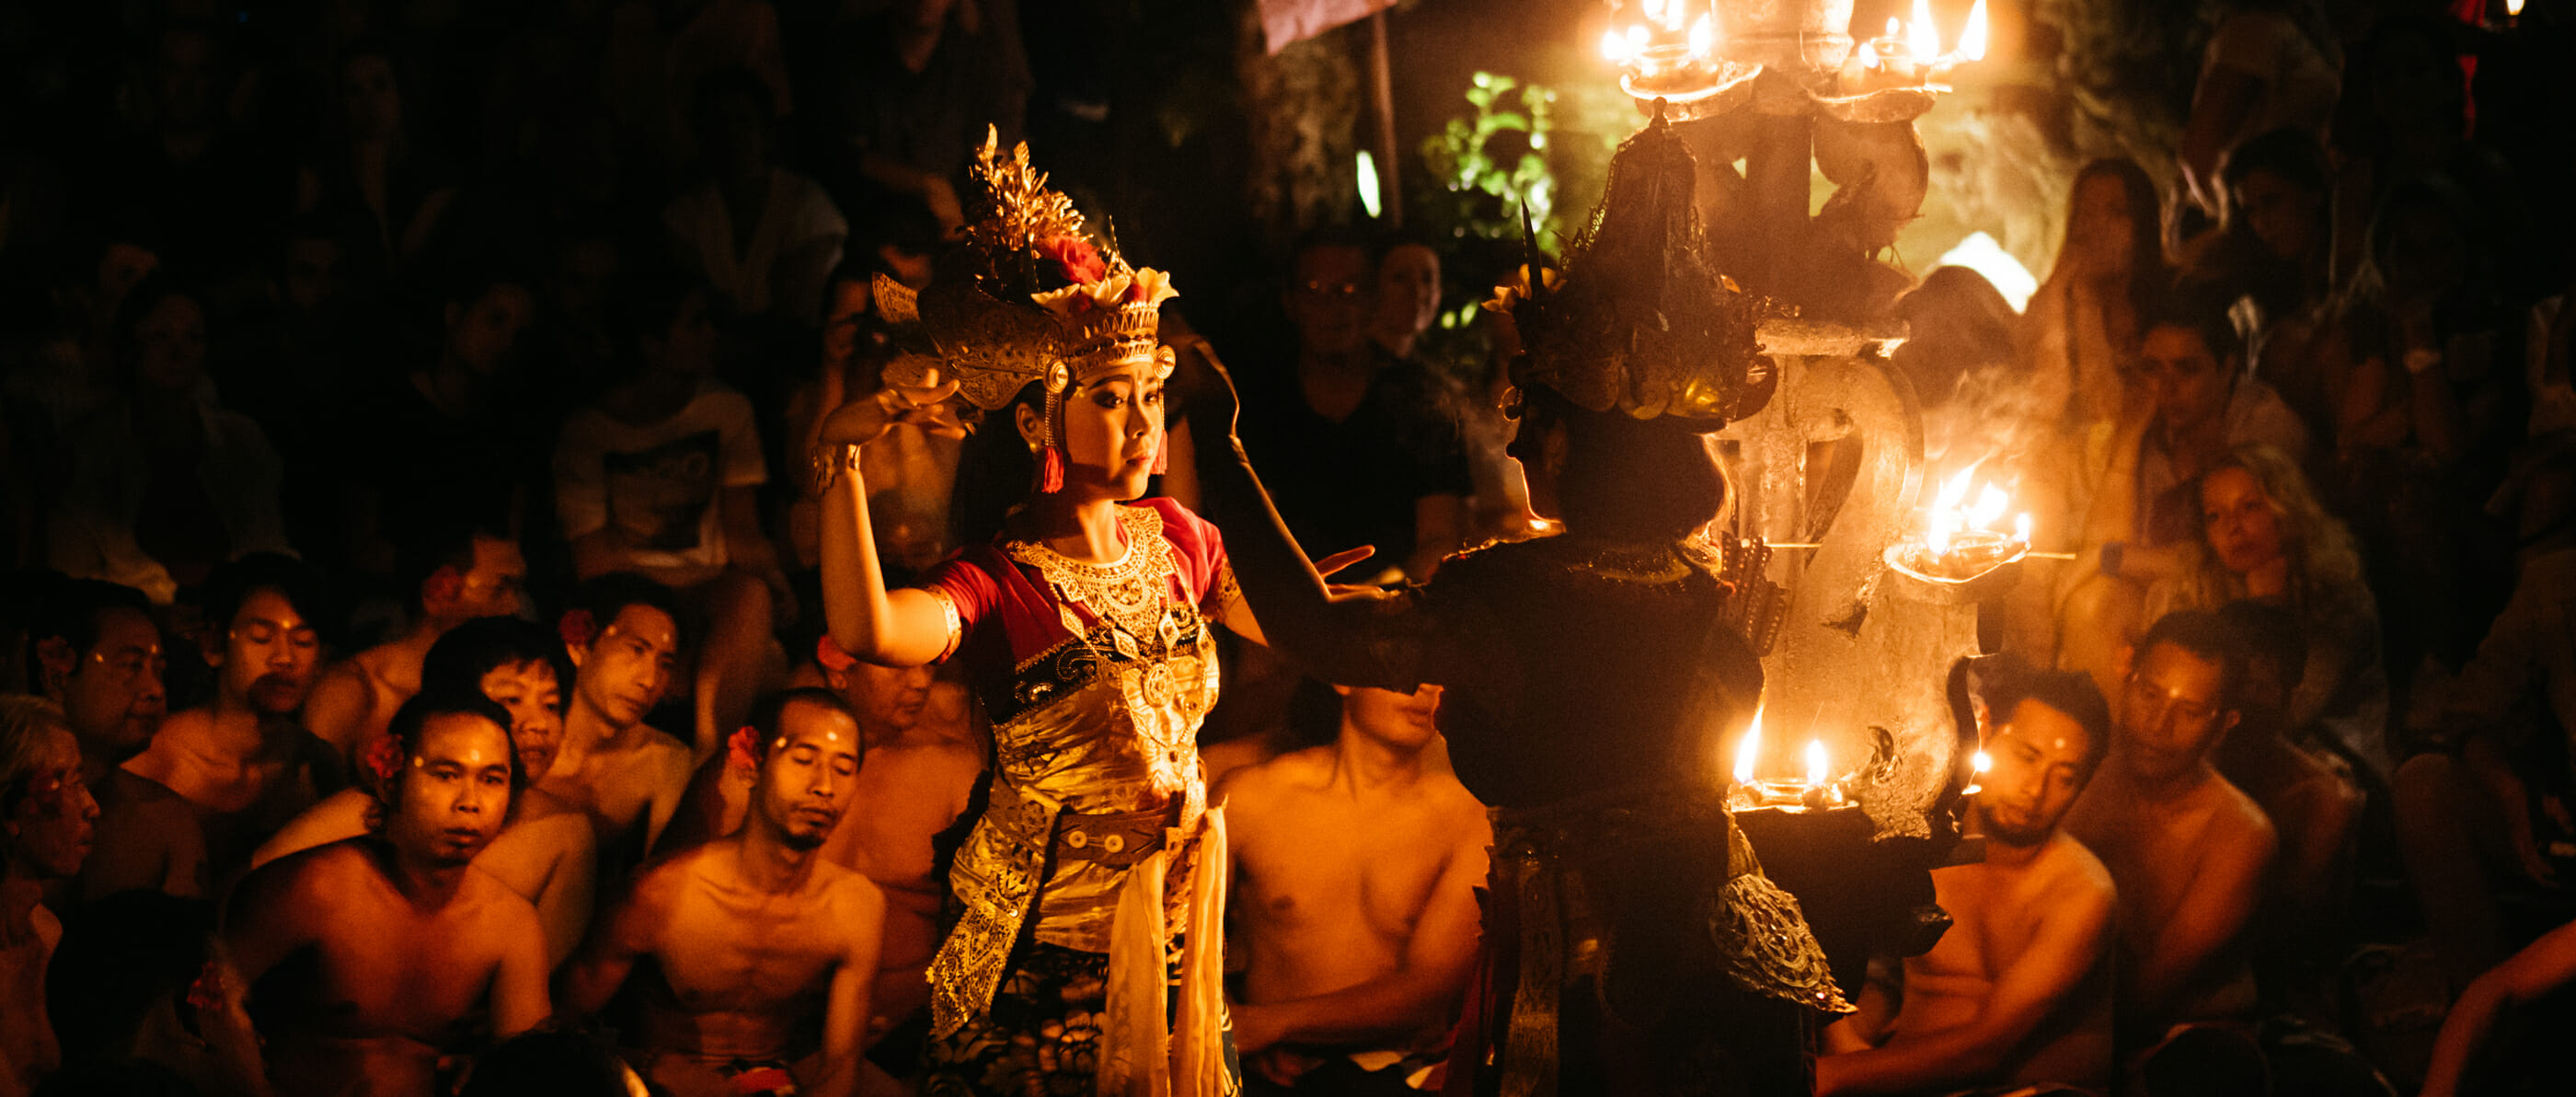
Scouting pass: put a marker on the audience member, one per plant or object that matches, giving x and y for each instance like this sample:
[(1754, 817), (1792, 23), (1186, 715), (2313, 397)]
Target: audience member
[(911, 472), (455, 577), (95, 653), (1355, 449), (2200, 408), (1407, 294), (660, 478), (367, 957), (2272, 254), (2187, 851), (2018, 992), (455, 439), (928, 77), (627, 777), (763, 237), (143, 1003), (751, 936), (48, 812), (2084, 326), (242, 760), (2544, 967), (2269, 65), (546, 851), (383, 190), (176, 484), (551, 1062), (1356, 867)]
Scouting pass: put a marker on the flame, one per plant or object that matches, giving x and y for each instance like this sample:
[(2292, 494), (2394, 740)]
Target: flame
[(1982, 762), (2021, 527), (1991, 503), (1703, 36), (2513, 8), (1817, 774), (1945, 511), (1655, 10), (1748, 749), (1952, 514), (1614, 46), (1923, 38), (1972, 40)]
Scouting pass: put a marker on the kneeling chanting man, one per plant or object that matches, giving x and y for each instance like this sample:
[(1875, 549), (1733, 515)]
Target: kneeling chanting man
[(748, 936), (368, 957)]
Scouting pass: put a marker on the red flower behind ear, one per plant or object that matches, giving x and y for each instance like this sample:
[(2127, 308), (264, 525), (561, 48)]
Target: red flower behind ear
[(577, 628), (1075, 258), (384, 759), (742, 751), (829, 655), (207, 992)]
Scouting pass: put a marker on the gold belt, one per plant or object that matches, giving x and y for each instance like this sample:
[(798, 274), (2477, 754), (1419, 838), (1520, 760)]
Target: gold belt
[(1117, 840)]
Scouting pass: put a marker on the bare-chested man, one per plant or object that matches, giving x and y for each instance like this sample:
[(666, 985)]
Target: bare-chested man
[(456, 577), (373, 955), (2187, 849), (624, 639), (750, 936), (94, 652), (547, 852), (242, 760), (2018, 992), (45, 817), (1355, 873)]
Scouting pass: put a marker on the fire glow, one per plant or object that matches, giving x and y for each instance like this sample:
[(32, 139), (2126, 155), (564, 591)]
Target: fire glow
[(1819, 789), (1950, 517)]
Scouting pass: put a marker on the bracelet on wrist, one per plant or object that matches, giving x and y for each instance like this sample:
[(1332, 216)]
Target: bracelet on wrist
[(825, 463)]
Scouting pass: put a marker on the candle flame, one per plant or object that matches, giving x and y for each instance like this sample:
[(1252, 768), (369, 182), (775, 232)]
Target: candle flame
[(1816, 771), (1614, 46), (1703, 36), (1972, 41), (2513, 8), (1923, 38), (1894, 28), (1655, 10), (1748, 749), (1945, 511), (1982, 762), (2021, 527)]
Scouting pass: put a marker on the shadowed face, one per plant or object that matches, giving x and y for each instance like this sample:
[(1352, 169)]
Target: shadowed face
[(1328, 298), (171, 341), (887, 698), (49, 826), (806, 778), (2243, 527), (112, 693), (2038, 768), (268, 655), (1408, 289), (454, 794), (2282, 214), (534, 700), (1404, 721), (2191, 385), (627, 667), (2172, 711)]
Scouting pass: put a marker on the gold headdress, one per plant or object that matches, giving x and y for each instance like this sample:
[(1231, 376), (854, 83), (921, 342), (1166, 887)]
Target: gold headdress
[(1031, 296), (1642, 321)]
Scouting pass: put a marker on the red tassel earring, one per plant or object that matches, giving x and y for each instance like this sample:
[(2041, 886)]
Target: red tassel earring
[(1051, 470), (1163, 456)]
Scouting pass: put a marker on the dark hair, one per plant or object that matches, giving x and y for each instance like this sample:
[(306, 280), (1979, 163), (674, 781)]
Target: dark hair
[(72, 609), (460, 659), (2148, 272), (122, 956), (1627, 478), (294, 580), (547, 1062), (442, 542), (125, 340), (608, 595), (1331, 236), (717, 83), (415, 715), (2198, 311), (2270, 633), (2289, 152), (995, 469), (2069, 692), (476, 282), (644, 305), (2204, 635), (769, 716)]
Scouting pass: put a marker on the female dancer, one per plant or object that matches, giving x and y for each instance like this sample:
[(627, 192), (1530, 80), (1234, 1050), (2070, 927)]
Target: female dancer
[(1085, 629)]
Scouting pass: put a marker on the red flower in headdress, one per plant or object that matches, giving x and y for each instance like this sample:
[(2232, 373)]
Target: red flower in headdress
[(1075, 258), (384, 759), (577, 628), (207, 991), (742, 751)]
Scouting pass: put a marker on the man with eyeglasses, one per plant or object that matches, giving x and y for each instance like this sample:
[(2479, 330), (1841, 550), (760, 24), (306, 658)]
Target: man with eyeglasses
[(243, 760), (2187, 850), (94, 651)]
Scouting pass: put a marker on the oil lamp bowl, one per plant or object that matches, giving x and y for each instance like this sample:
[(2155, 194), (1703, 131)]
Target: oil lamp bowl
[(1980, 562)]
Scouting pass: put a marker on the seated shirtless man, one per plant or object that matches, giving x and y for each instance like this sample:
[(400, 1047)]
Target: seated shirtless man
[(456, 576), (2187, 850), (546, 852), (1356, 865), (628, 778), (369, 958), (2018, 992), (243, 760), (94, 651), (751, 936)]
